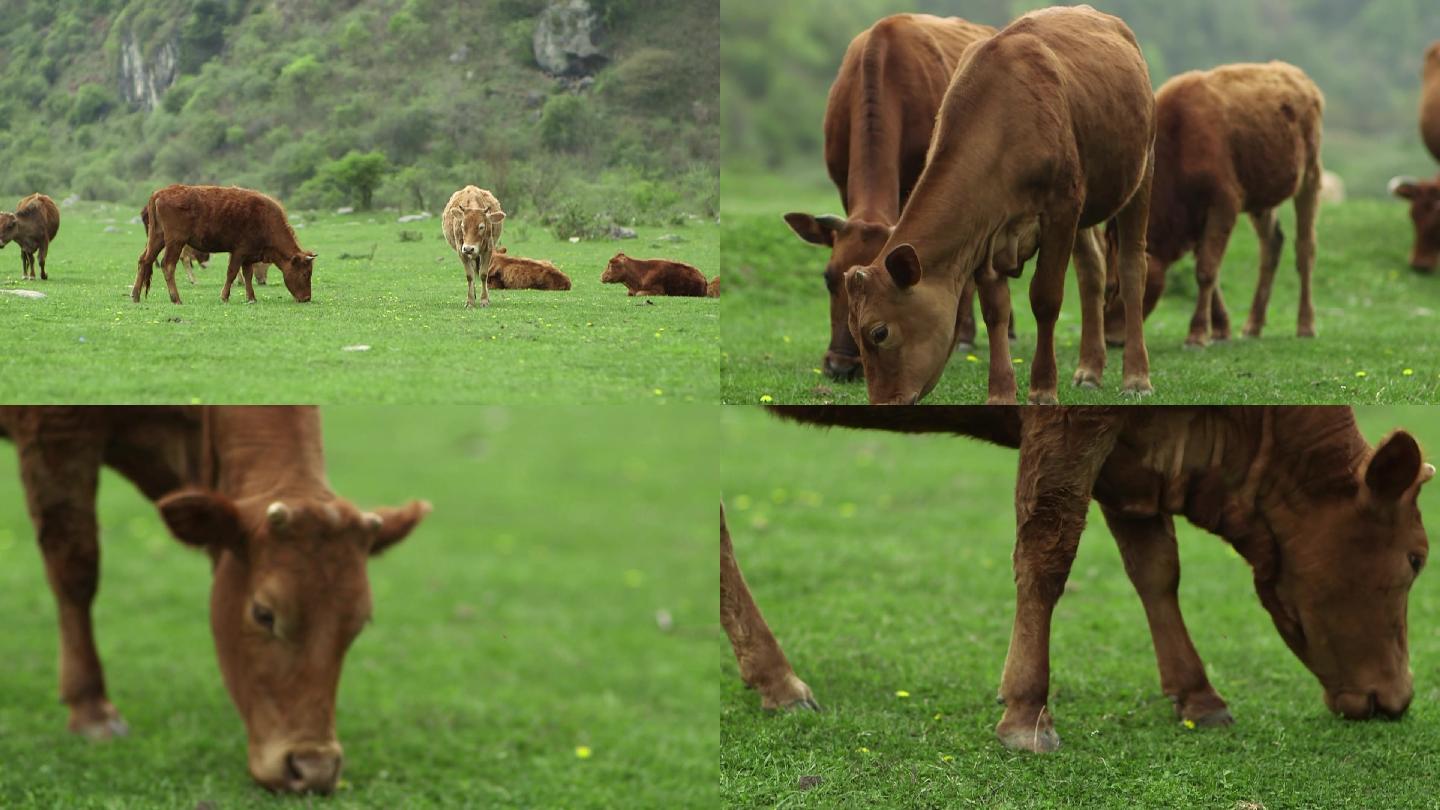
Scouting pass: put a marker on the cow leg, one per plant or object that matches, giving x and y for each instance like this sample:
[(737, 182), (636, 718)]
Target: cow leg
[(1047, 292), (1272, 241), (1219, 222), (190, 270), (249, 287), (1147, 545), (44, 251), (1219, 317), (1061, 452), (995, 309), (167, 266), (60, 480), (1132, 221), (1090, 273), (232, 269), (27, 270), (763, 665), (965, 319), (484, 274), (1307, 209), (145, 268), (470, 280)]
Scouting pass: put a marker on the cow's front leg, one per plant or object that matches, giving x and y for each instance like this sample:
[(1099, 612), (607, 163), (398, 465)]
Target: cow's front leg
[(994, 293), (1061, 451), (763, 665), (232, 270), (249, 286), (60, 481), (1147, 545), (469, 280), (484, 274)]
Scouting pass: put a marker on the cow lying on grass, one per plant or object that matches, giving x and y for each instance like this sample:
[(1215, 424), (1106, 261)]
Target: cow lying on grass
[(1236, 139), (1329, 526), (878, 121), (248, 225), (34, 224), (515, 273), (472, 222), (1424, 196), (1045, 132), (288, 555), (655, 277), (712, 290)]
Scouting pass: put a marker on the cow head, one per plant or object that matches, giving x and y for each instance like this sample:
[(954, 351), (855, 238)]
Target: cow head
[(1424, 200), (297, 270), (904, 325), (290, 594), (852, 243), (617, 270), (479, 230), (9, 226), (1338, 584)]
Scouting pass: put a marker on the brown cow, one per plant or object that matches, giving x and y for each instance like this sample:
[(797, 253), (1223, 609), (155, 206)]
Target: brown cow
[(248, 225), (1329, 526), (248, 486), (655, 277), (1046, 131), (1239, 138), (515, 273), (878, 122), (712, 290), (1424, 196), (472, 222), (34, 224)]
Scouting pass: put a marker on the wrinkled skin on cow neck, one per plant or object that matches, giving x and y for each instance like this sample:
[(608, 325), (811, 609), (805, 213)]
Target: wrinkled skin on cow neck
[(1329, 525)]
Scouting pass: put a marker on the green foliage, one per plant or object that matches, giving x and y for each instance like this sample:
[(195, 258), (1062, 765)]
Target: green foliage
[(92, 101), (356, 176), (649, 79), (567, 123)]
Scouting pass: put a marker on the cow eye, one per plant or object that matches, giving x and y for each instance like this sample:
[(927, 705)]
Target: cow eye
[(1417, 562), (879, 334), (263, 616)]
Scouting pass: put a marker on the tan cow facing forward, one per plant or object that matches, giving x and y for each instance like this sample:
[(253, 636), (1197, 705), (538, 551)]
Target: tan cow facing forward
[(34, 224), (472, 222)]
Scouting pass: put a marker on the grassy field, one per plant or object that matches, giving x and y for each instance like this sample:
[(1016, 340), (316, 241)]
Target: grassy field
[(507, 632), (883, 564), (86, 342), (1373, 316)]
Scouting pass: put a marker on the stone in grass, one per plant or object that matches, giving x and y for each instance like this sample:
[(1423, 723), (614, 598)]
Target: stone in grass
[(358, 347), (32, 294), (809, 781)]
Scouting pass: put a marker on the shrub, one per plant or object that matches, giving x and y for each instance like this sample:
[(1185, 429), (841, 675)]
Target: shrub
[(566, 123), (92, 102), (651, 79)]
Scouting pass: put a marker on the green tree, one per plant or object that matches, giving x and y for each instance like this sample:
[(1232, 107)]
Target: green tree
[(357, 175)]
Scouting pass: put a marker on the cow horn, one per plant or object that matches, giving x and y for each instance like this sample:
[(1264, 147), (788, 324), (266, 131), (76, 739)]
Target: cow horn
[(1427, 471), (831, 222), (372, 521), (278, 514), (1397, 182)]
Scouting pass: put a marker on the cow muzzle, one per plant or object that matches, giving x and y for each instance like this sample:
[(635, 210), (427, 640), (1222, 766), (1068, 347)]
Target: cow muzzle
[(301, 769), (1388, 703), (841, 367), (469, 250)]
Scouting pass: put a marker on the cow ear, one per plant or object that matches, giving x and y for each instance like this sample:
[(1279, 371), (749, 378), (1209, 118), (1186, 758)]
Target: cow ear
[(1396, 467), (904, 266), (1404, 187), (396, 524), (203, 519), (496, 217), (815, 230)]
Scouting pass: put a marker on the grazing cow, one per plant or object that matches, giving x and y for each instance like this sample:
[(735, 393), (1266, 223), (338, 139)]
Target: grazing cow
[(515, 273), (1046, 131), (248, 225), (1236, 139), (191, 257), (1329, 526), (1424, 196), (247, 485), (655, 277), (472, 222), (878, 122), (712, 290), (34, 224)]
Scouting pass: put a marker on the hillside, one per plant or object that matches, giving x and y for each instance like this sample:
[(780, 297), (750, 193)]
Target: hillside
[(364, 102)]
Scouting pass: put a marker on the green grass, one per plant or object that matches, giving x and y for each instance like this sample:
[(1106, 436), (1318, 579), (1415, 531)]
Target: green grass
[(86, 342), (882, 563), (1372, 313), (517, 623)]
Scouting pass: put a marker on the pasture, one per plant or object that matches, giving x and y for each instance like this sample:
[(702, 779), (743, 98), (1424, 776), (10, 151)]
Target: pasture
[(882, 563), (1373, 315), (86, 342), (521, 655)]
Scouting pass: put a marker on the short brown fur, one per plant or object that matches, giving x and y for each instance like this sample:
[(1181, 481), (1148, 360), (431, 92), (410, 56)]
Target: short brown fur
[(516, 273), (655, 277), (1424, 196), (34, 225)]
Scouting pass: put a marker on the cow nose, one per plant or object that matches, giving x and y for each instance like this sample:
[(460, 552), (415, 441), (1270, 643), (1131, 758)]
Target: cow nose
[(1393, 703), (468, 250), (313, 770), (841, 367)]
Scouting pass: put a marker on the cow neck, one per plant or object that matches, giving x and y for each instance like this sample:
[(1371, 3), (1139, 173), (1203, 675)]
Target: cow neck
[(266, 453), (876, 118)]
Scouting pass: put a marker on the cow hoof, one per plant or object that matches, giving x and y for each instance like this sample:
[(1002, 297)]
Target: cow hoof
[(1195, 344), (965, 347), (1085, 378), (1001, 400), (98, 723), (1035, 740), (1305, 332), (1047, 398), (1220, 337), (484, 304), (1251, 332), (1218, 717), (1138, 387), (792, 693)]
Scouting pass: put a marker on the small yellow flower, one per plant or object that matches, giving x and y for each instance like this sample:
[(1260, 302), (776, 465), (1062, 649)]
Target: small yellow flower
[(1189, 724), (863, 750), (901, 693), (786, 338), (1017, 361), (1361, 374), (659, 392), (938, 715), (582, 751), (1409, 372), (817, 371), (946, 758), (766, 398), (970, 358)]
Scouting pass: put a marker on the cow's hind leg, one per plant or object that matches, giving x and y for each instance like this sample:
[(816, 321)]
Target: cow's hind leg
[(1147, 545), (763, 665), (1047, 292), (248, 275), (1307, 209), (1132, 221), (60, 482), (1272, 242), (44, 251), (1219, 222), (1090, 274), (190, 269), (232, 269), (994, 292), (965, 319), (145, 268), (1060, 455)]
